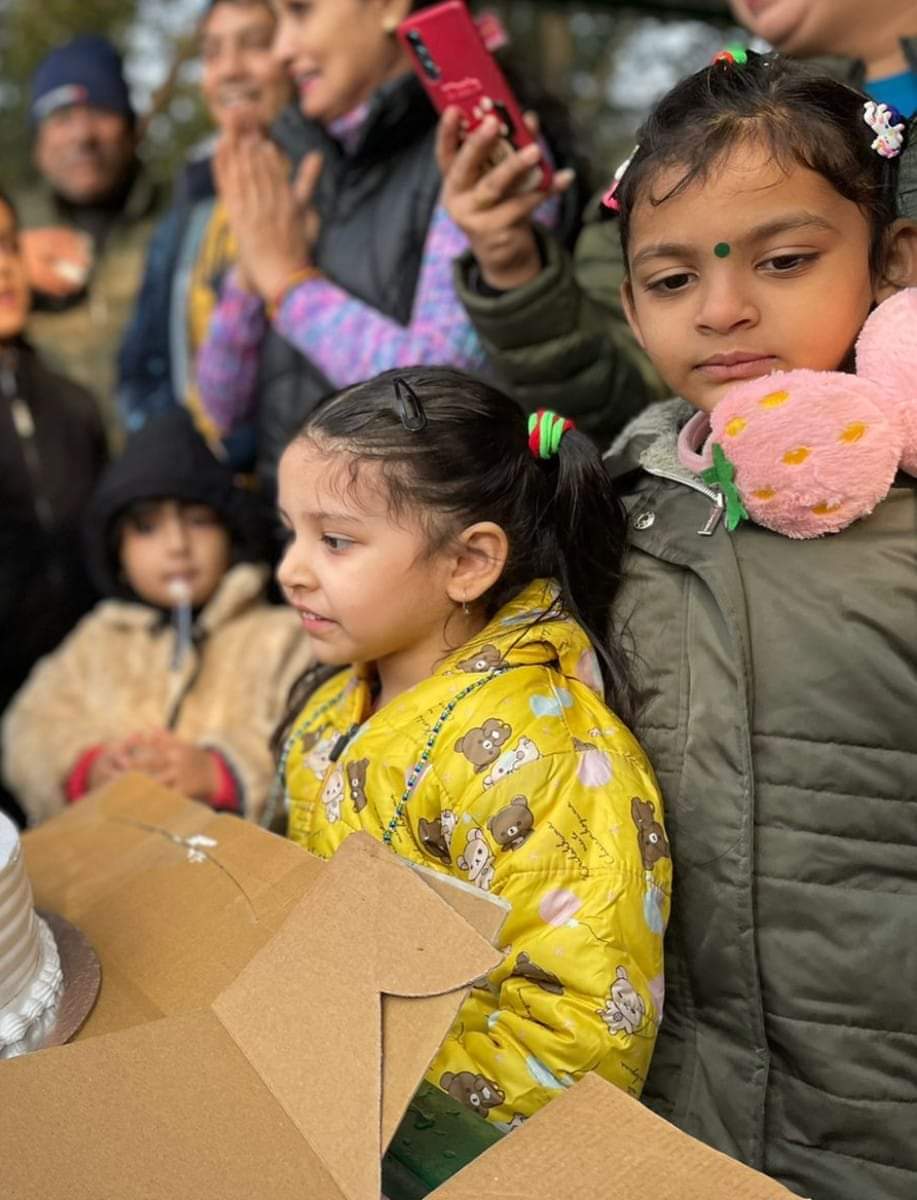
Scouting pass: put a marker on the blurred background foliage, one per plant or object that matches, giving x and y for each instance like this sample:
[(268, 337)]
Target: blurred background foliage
[(608, 60)]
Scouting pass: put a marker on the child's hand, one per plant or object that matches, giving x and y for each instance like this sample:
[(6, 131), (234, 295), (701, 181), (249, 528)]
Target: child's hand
[(105, 768), (491, 204), (57, 260), (173, 762)]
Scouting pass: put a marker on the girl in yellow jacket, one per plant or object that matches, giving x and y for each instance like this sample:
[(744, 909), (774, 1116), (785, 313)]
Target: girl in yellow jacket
[(453, 569)]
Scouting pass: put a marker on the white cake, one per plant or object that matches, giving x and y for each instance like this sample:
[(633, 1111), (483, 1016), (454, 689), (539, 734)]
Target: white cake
[(30, 972)]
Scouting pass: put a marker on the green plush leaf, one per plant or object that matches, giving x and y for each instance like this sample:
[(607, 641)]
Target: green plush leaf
[(722, 475)]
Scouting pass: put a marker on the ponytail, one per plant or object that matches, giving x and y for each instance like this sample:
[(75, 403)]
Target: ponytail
[(591, 530)]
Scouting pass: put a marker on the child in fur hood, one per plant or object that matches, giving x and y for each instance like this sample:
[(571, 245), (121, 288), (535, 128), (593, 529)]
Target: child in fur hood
[(183, 670)]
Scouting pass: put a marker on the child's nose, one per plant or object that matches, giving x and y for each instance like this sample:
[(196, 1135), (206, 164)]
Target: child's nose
[(176, 536), (725, 305), (294, 569)]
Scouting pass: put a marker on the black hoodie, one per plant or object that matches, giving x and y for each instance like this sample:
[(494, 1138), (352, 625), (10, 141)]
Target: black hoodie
[(168, 460)]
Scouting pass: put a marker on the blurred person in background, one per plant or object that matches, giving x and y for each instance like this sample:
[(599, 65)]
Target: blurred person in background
[(193, 248), (182, 670), (52, 448), (347, 270), (880, 41), (88, 221)]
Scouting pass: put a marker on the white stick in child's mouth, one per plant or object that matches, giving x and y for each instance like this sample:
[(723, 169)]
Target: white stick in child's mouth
[(180, 595)]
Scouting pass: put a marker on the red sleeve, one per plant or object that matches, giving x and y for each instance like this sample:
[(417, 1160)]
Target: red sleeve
[(227, 795), (77, 784)]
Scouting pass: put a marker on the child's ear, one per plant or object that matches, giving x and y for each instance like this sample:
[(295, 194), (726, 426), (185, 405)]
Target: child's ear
[(480, 556), (900, 267), (627, 302)]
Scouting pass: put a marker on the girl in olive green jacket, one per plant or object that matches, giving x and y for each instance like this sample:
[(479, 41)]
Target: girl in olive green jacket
[(759, 225)]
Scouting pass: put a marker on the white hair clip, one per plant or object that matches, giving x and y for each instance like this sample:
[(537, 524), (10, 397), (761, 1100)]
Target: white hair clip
[(888, 126), (609, 200)]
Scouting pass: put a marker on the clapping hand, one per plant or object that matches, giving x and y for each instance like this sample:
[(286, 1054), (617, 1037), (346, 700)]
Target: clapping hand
[(273, 219)]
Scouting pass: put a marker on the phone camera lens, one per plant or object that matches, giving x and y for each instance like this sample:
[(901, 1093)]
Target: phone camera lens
[(424, 57)]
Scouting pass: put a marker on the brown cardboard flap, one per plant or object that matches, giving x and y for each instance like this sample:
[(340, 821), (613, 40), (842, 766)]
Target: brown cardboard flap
[(93, 848), (371, 926), (168, 1110), (595, 1141), (264, 1077), (399, 1014), (211, 929), (174, 899)]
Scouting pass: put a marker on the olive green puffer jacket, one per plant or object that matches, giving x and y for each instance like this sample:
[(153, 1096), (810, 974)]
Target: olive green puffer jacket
[(562, 341), (781, 720)]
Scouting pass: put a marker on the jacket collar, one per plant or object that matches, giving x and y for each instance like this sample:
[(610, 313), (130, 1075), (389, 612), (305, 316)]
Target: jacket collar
[(650, 442), (397, 114), (531, 629)]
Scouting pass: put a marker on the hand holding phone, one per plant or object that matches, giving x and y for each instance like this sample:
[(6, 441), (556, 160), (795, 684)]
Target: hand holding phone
[(457, 70)]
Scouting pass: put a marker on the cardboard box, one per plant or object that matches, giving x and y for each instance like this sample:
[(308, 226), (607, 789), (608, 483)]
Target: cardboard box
[(241, 1045)]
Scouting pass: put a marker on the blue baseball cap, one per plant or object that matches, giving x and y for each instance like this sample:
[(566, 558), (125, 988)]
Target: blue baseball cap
[(86, 70)]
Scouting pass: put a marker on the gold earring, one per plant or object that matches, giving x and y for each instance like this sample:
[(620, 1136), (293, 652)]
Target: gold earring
[(465, 607)]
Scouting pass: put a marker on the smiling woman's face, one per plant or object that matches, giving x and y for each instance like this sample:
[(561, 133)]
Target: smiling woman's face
[(338, 52)]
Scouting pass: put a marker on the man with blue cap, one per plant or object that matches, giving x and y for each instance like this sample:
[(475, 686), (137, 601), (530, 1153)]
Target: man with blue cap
[(88, 223)]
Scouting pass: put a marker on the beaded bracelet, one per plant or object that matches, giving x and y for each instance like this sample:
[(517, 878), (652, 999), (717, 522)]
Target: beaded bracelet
[(303, 275)]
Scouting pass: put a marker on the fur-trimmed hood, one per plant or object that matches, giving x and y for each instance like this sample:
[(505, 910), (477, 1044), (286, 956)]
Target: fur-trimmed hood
[(650, 443)]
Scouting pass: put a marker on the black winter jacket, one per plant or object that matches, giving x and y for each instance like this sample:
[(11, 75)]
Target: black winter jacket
[(52, 449), (375, 201)]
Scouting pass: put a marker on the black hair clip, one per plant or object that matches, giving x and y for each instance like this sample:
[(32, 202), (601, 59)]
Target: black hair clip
[(410, 410)]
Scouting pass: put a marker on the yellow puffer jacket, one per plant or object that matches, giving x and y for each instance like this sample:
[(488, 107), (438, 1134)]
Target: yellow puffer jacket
[(526, 786)]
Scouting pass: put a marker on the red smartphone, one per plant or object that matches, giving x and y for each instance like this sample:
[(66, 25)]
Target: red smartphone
[(456, 68)]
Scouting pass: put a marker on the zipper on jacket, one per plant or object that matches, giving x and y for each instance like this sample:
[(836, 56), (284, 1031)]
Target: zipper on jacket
[(178, 701), (714, 495), (342, 743), (716, 515), (24, 424)]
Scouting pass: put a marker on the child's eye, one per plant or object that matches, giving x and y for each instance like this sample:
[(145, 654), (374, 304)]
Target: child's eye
[(782, 264), (336, 544), (670, 283)]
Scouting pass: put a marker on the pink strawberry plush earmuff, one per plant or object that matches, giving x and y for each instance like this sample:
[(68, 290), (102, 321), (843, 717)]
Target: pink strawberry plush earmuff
[(887, 354), (808, 452)]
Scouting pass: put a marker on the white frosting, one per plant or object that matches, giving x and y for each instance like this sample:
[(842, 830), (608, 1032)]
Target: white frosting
[(30, 972)]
